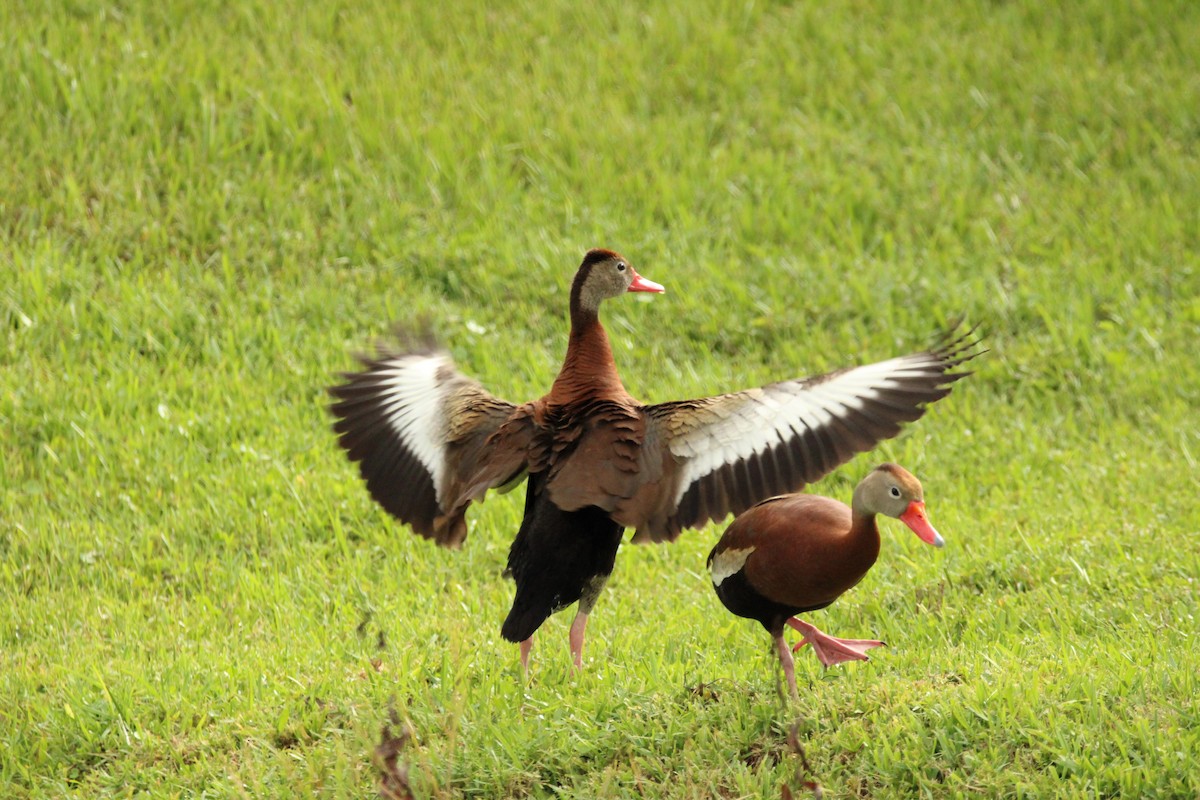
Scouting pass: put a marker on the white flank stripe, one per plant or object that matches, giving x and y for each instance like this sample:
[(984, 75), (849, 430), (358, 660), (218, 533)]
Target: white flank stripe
[(728, 562)]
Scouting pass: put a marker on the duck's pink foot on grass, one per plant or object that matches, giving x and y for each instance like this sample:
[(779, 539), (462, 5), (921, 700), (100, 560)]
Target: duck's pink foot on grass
[(831, 650), (577, 628), (526, 646)]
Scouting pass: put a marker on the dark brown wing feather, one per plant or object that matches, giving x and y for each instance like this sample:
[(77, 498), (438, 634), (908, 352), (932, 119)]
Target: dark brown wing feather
[(421, 433), (719, 455)]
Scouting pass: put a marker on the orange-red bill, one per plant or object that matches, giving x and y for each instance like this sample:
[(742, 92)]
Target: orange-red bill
[(641, 284), (914, 517)]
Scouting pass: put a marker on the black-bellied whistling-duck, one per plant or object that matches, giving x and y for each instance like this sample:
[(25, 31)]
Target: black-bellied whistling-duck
[(430, 441), (800, 552)]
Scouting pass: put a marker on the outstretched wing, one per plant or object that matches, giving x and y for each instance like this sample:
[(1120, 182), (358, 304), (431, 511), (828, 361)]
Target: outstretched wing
[(421, 433), (710, 457)]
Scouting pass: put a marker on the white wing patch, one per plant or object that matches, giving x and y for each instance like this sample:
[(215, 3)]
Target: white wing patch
[(411, 400), (776, 413), (728, 562)]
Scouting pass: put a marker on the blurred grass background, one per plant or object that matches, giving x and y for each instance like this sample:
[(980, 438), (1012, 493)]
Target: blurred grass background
[(205, 207)]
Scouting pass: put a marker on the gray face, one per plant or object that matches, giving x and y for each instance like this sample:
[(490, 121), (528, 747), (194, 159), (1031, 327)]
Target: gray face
[(889, 490), (605, 279)]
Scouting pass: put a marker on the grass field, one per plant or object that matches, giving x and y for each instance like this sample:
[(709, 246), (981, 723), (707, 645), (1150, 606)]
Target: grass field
[(206, 207)]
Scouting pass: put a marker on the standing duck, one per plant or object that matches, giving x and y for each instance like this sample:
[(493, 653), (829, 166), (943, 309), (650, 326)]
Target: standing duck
[(799, 552), (429, 441)]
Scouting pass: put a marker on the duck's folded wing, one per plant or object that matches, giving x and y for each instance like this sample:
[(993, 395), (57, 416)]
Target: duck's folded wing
[(706, 458), (421, 433)]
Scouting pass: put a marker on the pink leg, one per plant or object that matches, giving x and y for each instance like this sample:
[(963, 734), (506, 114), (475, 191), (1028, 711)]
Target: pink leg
[(577, 627), (526, 646), (788, 664), (831, 650)]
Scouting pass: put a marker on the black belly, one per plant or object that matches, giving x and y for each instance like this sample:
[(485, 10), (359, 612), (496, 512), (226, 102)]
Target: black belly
[(557, 558), (736, 593)]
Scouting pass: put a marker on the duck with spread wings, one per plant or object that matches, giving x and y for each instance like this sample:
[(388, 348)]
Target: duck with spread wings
[(430, 441)]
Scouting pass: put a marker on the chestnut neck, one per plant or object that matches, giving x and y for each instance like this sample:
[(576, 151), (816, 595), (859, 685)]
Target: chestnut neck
[(588, 370), (862, 541)]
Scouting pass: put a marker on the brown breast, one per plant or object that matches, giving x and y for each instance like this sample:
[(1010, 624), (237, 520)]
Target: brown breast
[(808, 549)]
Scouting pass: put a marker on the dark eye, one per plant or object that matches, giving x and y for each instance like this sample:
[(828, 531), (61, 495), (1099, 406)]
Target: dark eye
[(895, 491), (620, 266)]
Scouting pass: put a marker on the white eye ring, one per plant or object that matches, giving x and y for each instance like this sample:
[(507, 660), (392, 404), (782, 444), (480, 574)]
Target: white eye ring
[(895, 491), (620, 266)]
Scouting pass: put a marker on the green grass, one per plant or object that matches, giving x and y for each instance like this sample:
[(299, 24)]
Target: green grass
[(205, 207)]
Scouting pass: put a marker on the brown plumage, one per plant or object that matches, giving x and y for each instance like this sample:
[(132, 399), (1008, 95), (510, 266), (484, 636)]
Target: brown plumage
[(430, 441), (800, 552)]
